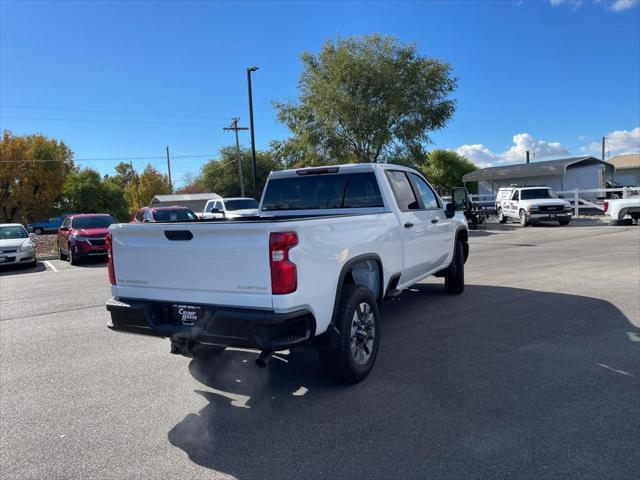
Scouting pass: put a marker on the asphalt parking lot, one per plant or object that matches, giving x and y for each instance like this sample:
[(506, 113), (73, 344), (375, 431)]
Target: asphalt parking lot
[(533, 372)]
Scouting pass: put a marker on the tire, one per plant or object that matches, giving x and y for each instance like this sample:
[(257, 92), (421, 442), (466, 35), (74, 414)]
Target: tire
[(358, 326), (501, 216), (61, 256), (73, 260), (563, 222), (454, 278), (38, 231), (523, 219), (33, 264)]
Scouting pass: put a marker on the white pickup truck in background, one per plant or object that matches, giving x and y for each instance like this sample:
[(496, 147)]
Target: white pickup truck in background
[(230, 208), (330, 245), (617, 209), (531, 205)]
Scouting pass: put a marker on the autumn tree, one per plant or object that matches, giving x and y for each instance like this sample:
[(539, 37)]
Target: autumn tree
[(191, 184), (365, 99), (141, 189), (33, 169)]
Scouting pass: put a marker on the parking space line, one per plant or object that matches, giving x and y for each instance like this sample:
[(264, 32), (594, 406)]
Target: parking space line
[(49, 265)]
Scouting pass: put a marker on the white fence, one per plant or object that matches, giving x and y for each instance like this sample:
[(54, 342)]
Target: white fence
[(579, 198)]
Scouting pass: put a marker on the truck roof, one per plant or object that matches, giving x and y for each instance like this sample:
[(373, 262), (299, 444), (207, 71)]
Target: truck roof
[(344, 168)]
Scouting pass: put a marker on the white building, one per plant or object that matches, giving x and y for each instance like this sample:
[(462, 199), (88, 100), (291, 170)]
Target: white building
[(561, 174)]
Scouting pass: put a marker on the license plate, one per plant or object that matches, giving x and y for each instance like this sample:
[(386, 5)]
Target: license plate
[(187, 314)]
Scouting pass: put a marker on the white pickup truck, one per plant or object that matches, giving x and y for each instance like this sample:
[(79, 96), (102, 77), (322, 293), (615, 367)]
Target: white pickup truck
[(531, 204), (228, 208), (331, 244), (617, 209)]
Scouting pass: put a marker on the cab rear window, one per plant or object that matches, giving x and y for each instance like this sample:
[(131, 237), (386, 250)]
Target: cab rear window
[(314, 192)]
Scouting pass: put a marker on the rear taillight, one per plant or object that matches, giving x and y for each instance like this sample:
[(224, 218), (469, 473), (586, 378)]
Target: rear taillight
[(112, 273), (606, 207), (284, 278)]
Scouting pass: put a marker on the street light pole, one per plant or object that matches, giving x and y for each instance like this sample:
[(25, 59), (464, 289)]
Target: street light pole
[(253, 142)]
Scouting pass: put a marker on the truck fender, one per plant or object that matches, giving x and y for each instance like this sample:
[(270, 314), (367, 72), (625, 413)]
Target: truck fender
[(347, 276)]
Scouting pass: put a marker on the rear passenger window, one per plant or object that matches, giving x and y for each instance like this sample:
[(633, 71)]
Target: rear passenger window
[(428, 197), (402, 190)]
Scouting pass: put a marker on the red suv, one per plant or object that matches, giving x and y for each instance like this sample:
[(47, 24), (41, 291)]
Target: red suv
[(164, 214), (82, 236)]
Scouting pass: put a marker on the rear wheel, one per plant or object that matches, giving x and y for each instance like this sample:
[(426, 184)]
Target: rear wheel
[(563, 222), (38, 231), (454, 278), (501, 216), (359, 335), (524, 221)]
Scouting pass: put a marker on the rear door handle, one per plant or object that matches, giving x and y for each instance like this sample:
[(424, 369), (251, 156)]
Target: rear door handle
[(435, 220), (408, 225)]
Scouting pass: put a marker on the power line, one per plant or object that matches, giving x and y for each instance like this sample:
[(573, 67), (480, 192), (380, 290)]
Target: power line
[(114, 159), (86, 120), (29, 107)]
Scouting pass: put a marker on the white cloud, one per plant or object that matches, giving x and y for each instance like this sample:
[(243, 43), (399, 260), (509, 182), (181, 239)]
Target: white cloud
[(613, 5), (539, 149), (478, 154), (621, 5), (618, 142)]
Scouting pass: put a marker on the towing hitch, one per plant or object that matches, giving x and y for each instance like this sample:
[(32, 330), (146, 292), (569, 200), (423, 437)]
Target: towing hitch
[(264, 358)]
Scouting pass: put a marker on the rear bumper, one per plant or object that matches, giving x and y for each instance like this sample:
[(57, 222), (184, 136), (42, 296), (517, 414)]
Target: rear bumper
[(224, 326)]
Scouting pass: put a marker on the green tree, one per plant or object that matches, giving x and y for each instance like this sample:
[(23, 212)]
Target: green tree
[(141, 189), (86, 192), (221, 175), (445, 169), (365, 99), (33, 169)]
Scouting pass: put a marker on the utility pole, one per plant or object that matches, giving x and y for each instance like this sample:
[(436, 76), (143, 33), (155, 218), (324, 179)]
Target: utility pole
[(527, 156), (235, 128), (169, 170), (135, 183), (253, 142), (604, 140)]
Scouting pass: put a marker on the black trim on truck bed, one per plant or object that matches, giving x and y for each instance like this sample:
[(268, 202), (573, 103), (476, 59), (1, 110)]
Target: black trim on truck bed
[(262, 329)]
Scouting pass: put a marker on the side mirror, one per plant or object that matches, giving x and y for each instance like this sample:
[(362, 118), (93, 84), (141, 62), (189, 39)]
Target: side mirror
[(449, 210), (64, 229), (460, 199), (32, 235), (214, 210)]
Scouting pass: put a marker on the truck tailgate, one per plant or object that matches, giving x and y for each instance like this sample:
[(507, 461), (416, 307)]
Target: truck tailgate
[(203, 263)]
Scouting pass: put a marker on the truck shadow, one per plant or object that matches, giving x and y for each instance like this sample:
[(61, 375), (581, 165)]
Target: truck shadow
[(496, 382)]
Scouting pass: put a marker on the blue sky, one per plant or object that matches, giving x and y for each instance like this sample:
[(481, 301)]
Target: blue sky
[(126, 79)]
